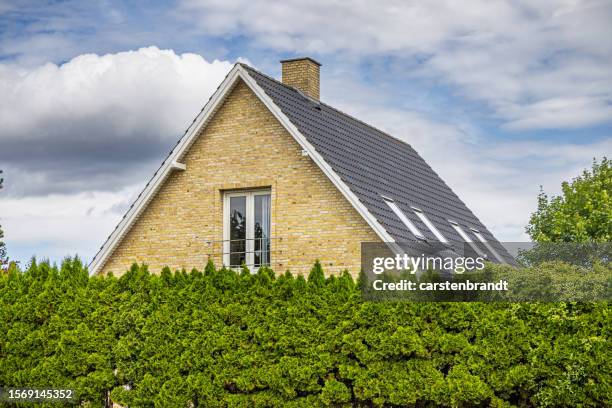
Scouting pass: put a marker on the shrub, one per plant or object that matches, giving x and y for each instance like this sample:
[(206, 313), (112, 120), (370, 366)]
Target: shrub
[(222, 338)]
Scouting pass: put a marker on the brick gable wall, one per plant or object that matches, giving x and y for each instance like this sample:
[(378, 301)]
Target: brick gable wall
[(244, 146)]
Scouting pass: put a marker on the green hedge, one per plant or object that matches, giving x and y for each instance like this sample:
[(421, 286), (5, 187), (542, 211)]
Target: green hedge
[(223, 339)]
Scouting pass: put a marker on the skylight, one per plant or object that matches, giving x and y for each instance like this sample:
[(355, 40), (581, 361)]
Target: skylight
[(466, 237), (413, 229), (429, 225), (460, 231), (489, 247)]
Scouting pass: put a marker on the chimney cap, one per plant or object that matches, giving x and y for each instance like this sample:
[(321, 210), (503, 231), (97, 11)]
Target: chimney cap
[(300, 59)]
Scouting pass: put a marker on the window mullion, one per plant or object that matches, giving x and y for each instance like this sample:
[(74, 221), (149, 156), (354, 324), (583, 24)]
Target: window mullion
[(226, 230), (250, 230)]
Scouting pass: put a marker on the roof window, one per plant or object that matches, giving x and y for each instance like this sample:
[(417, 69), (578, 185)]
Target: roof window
[(466, 237), (486, 243), (400, 214), (419, 213)]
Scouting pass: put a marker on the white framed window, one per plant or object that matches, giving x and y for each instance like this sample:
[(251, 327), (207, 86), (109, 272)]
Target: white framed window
[(400, 214), (485, 243), (246, 228), (466, 237), (419, 213)]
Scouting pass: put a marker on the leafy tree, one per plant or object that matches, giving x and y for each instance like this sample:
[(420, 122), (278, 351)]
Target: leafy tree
[(4, 261), (583, 213)]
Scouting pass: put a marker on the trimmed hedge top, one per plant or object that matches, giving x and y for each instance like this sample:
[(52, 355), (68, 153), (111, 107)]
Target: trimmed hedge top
[(224, 339)]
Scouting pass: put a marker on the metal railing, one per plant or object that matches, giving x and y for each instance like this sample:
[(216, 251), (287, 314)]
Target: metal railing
[(261, 254)]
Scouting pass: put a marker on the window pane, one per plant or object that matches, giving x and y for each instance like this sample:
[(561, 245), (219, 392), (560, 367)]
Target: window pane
[(429, 225), (262, 230), (400, 214), (482, 239), (237, 216), (466, 238)]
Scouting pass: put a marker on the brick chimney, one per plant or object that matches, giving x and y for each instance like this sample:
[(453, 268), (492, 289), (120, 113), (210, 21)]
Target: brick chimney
[(303, 74)]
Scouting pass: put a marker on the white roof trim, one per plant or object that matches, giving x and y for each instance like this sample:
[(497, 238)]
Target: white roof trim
[(187, 140)]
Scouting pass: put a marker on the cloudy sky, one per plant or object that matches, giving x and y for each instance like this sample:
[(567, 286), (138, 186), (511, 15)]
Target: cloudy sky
[(499, 97)]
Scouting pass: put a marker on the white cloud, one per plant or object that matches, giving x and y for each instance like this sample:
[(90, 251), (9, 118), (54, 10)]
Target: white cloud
[(560, 112), (149, 89), (360, 26), (96, 121), (536, 65), (60, 225)]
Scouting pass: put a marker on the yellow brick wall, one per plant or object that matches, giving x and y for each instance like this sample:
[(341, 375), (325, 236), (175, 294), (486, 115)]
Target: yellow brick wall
[(244, 146), (304, 75)]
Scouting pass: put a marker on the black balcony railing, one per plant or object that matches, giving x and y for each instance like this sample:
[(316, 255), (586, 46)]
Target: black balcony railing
[(254, 252)]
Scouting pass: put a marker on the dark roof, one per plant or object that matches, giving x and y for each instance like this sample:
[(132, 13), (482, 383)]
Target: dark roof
[(372, 163)]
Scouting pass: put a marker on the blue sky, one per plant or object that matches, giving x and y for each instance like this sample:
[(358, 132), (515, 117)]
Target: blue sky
[(499, 97)]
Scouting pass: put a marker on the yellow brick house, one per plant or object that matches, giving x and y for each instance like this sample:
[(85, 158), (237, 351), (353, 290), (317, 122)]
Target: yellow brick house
[(267, 174)]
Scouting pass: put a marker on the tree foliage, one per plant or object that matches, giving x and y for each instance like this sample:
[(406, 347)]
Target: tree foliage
[(583, 213), (4, 261), (228, 339)]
